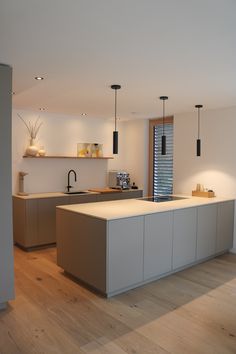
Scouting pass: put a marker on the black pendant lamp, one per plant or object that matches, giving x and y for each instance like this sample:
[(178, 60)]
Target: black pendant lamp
[(198, 106), (163, 138), (115, 132)]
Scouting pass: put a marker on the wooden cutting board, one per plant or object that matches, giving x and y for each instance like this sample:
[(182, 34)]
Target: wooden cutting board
[(105, 190)]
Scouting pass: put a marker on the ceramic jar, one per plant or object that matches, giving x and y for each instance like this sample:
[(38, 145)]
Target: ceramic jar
[(32, 149), (42, 151)]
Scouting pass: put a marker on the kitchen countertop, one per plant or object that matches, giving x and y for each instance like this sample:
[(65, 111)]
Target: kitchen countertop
[(49, 195), (119, 209), (61, 194)]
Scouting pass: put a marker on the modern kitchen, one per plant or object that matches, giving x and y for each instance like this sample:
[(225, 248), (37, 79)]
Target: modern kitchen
[(118, 203)]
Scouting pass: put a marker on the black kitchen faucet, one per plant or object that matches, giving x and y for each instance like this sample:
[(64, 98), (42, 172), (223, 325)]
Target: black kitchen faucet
[(68, 179)]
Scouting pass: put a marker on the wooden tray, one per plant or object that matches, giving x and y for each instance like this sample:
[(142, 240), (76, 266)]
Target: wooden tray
[(203, 194), (105, 190)]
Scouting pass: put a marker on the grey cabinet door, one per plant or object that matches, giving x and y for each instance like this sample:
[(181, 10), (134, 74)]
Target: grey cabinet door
[(83, 198), (25, 222), (125, 253), (47, 219), (129, 194), (108, 196), (206, 231), (225, 226), (185, 237), (158, 242)]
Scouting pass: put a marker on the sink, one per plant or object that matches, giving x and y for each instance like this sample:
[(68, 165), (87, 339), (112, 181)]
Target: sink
[(77, 192)]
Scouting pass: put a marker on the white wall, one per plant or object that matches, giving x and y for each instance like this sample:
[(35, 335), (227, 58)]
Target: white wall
[(59, 135), (135, 151), (216, 167)]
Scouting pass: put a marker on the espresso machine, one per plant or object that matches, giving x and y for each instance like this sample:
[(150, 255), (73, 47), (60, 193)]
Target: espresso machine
[(119, 180)]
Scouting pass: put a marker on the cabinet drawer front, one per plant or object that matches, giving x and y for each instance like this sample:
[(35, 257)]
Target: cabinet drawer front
[(125, 253), (158, 244), (47, 219), (185, 237), (206, 231), (225, 226)]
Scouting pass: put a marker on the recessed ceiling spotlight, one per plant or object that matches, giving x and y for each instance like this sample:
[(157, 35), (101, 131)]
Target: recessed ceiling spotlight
[(42, 109), (39, 78), (13, 93), (83, 114)]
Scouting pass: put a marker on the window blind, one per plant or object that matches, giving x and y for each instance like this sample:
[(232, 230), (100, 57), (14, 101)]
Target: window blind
[(162, 164)]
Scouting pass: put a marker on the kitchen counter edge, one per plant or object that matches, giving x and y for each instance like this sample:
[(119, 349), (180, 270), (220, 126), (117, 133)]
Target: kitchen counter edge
[(119, 209)]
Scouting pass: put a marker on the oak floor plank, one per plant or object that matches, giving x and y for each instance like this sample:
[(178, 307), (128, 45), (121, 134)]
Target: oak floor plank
[(189, 312)]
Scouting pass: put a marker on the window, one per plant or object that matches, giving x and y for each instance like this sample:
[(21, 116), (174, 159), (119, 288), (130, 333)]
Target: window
[(161, 166)]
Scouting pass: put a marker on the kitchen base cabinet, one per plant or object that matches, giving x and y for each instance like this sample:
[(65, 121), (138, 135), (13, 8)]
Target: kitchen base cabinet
[(46, 220), (225, 226), (125, 253), (34, 219), (83, 198), (133, 193), (113, 253), (206, 231), (108, 197), (127, 194), (83, 252), (25, 222), (107, 256), (184, 237), (157, 244)]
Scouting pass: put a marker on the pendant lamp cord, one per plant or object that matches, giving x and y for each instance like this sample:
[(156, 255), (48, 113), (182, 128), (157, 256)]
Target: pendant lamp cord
[(115, 108), (163, 119)]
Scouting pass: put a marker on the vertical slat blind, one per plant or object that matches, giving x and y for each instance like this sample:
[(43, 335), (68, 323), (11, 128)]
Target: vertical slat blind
[(162, 164)]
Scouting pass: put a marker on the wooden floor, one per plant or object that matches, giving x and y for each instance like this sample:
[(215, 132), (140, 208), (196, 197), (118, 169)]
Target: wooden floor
[(190, 312)]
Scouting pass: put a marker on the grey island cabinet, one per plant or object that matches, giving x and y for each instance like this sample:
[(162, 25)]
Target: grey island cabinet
[(119, 245), (34, 215)]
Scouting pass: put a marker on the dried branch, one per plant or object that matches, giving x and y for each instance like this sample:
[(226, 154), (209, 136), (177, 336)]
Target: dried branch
[(33, 128)]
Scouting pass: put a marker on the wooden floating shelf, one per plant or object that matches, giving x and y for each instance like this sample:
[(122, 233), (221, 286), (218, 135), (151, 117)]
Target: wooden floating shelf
[(68, 157)]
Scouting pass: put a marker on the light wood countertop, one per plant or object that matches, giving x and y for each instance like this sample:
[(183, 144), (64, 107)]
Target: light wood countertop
[(61, 194), (119, 209), (49, 195)]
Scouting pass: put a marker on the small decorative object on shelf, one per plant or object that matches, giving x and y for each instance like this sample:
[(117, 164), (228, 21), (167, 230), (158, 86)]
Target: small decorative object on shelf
[(96, 150), (83, 149), (33, 129), (89, 150), (32, 149), (42, 151), (21, 183)]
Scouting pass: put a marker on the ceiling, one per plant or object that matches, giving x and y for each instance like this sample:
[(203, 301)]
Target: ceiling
[(185, 49)]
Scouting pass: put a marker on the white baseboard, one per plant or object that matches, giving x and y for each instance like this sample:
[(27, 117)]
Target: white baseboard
[(233, 250), (3, 306)]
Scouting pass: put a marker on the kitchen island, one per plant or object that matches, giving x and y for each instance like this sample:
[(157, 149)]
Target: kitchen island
[(119, 245)]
